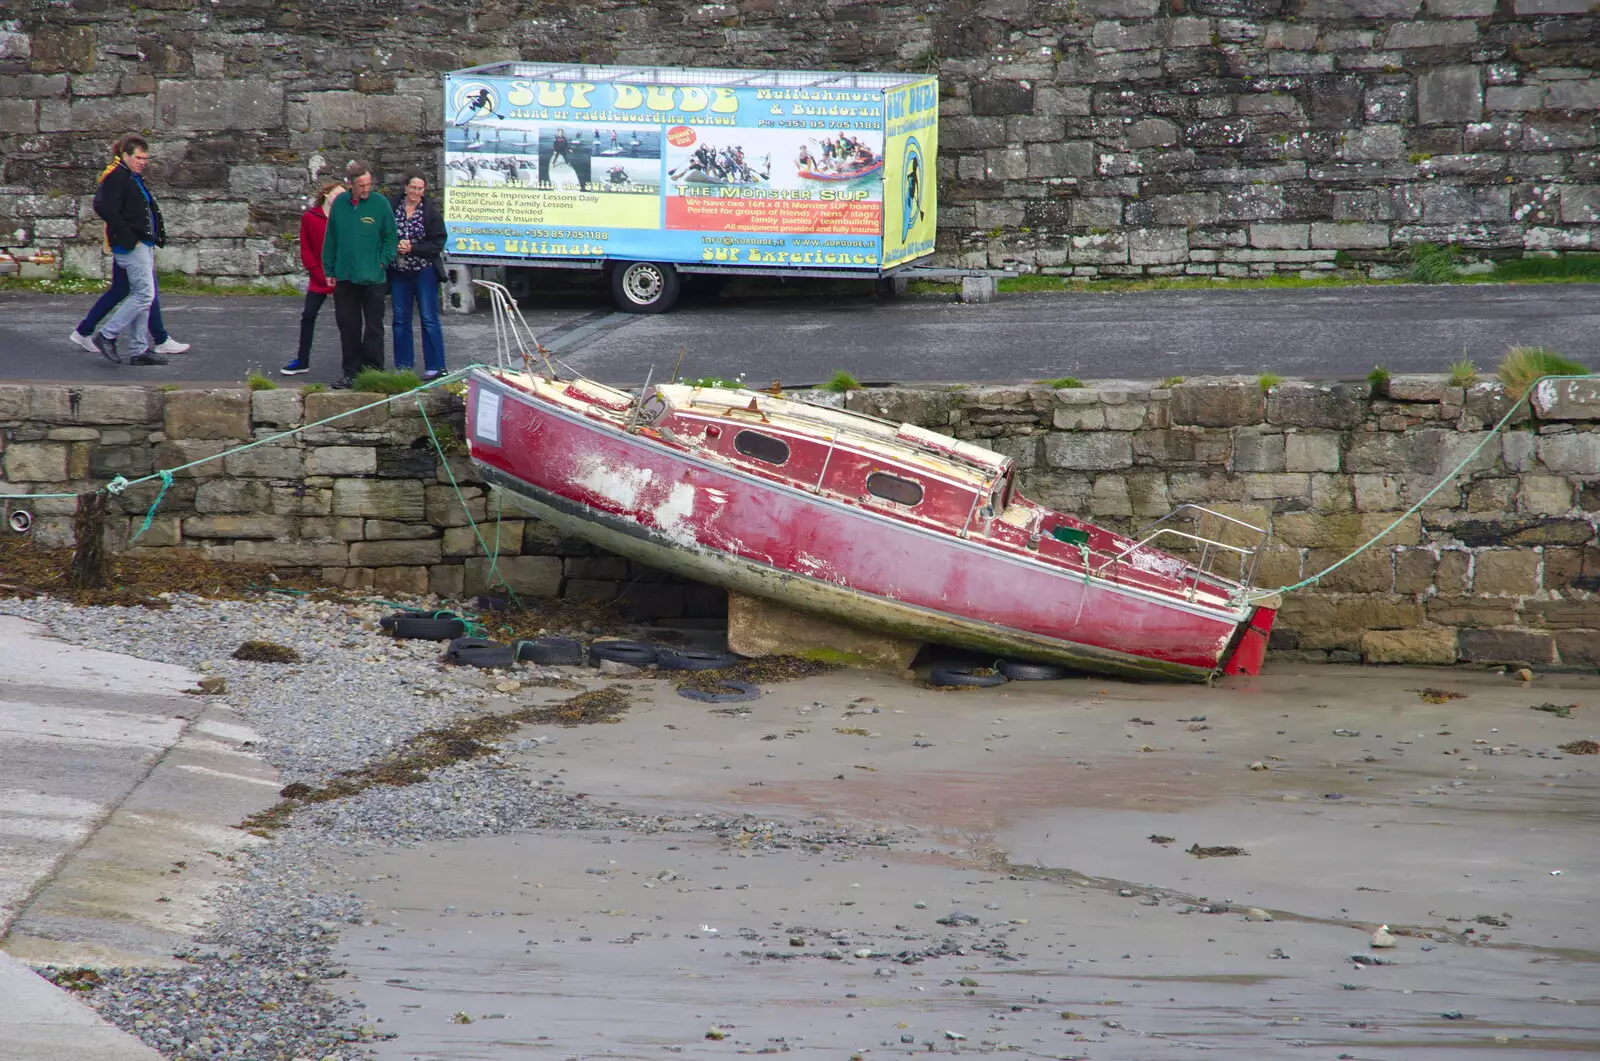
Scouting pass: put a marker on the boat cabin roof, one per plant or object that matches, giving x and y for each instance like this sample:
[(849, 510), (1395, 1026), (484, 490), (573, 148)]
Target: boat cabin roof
[(904, 444)]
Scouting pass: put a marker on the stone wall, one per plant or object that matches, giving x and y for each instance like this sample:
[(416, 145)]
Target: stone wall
[(363, 503), (1095, 137), (1502, 564)]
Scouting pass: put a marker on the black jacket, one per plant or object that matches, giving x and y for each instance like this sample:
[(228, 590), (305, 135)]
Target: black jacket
[(121, 205), (433, 233)]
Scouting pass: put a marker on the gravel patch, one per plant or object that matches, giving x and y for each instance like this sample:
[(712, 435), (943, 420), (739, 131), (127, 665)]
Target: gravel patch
[(255, 985)]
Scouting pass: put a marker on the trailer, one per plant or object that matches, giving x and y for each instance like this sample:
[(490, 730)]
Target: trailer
[(648, 173)]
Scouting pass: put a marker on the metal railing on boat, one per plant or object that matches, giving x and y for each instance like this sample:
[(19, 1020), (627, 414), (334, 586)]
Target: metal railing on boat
[(1210, 550)]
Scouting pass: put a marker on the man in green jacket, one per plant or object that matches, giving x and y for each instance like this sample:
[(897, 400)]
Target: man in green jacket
[(356, 252)]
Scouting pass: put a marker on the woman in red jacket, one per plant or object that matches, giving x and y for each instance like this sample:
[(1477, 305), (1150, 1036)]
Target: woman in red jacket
[(313, 227)]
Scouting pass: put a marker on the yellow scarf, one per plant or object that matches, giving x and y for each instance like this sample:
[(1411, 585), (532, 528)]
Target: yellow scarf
[(105, 237)]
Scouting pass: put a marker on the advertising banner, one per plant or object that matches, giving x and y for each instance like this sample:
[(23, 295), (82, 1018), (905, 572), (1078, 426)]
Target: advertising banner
[(683, 166)]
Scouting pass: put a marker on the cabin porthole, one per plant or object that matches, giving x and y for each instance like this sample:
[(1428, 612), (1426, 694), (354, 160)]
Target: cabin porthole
[(893, 488), (762, 447)]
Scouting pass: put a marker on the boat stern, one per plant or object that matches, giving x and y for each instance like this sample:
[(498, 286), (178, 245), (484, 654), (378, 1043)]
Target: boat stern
[(1249, 649)]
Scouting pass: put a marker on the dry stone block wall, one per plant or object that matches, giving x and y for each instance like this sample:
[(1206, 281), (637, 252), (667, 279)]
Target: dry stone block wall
[(1092, 137), (364, 502), (1501, 564)]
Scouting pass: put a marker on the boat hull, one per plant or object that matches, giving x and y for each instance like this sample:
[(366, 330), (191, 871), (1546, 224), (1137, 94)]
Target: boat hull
[(674, 510)]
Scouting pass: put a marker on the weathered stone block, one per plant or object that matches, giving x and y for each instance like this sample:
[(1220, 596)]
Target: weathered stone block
[(1428, 646), (389, 553), (379, 498), (232, 496), (1217, 403), (1417, 388), (1070, 159), (282, 460), (176, 452), (1258, 452), (1349, 235), (343, 405), (1579, 648), (1370, 572), (1518, 531), (1571, 454), (446, 580), (343, 460), (118, 405), (1098, 452), (1079, 418), (207, 414), (394, 580), (535, 576), (1383, 451), (332, 528), (272, 527), (1344, 530), (1563, 614), (1545, 495), (1001, 96), (504, 537), (1506, 646), (292, 554), (301, 500), (1430, 35), (251, 103), (36, 462), (1462, 8), (1414, 570), (384, 529), (1566, 399), (1157, 246), (1505, 572), (1447, 94), (1305, 452), (281, 407)]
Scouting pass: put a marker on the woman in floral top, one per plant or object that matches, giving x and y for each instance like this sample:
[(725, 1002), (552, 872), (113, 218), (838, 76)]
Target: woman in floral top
[(413, 278)]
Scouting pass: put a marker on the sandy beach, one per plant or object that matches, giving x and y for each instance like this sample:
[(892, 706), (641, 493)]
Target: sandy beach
[(902, 870)]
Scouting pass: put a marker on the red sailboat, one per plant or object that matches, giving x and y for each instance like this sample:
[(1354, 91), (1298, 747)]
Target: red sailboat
[(882, 525)]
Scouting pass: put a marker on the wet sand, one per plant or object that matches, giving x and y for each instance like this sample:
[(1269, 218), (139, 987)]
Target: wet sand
[(1022, 816)]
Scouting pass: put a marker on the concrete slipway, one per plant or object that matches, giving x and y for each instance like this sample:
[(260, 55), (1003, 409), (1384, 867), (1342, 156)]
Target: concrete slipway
[(117, 793)]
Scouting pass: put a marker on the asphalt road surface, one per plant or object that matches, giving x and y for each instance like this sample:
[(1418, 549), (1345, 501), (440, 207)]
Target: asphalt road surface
[(1317, 333)]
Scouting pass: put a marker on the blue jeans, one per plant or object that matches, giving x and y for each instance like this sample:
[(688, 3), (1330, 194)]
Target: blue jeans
[(132, 314), (108, 301), (423, 289)]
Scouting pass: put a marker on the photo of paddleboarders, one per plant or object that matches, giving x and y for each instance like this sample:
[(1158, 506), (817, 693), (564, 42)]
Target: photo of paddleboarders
[(778, 159), (615, 158), (524, 154)]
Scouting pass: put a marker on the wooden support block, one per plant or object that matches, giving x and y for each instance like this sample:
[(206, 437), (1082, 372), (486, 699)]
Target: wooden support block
[(758, 627)]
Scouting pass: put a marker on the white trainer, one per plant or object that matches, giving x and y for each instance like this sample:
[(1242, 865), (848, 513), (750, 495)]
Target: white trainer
[(169, 345), (85, 341)]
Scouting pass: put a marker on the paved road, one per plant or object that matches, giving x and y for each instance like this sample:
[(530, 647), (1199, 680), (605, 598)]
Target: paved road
[(1325, 332)]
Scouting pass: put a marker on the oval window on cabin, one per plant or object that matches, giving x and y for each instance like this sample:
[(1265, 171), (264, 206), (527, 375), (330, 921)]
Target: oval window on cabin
[(893, 488), (762, 447)]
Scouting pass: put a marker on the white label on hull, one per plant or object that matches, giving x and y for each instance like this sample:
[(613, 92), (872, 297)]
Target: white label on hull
[(486, 425)]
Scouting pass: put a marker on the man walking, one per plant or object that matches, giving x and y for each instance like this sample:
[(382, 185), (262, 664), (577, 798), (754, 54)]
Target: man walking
[(134, 231), (359, 245)]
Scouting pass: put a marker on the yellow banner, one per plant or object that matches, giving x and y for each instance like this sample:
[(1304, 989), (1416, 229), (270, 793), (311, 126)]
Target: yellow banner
[(910, 179), (532, 206)]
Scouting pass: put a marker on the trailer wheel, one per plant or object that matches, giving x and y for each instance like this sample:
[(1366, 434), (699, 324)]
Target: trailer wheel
[(644, 287)]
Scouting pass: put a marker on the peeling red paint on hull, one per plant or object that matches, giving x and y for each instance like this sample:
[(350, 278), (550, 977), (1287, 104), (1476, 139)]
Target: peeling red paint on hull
[(675, 488)]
